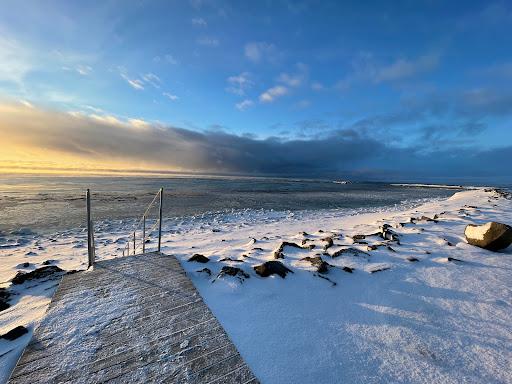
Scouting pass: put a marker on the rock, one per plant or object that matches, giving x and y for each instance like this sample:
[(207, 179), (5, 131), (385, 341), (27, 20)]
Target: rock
[(347, 269), (14, 333), (329, 243), (412, 259), (278, 253), (379, 269), (233, 271), (358, 237), (38, 273), (492, 236), (230, 259), (321, 266), (390, 249), (199, 258), (326, 278), (272, 267), (353, 251), (371, 248), (23, 265), (4, 299), (453, 259), (48, 262), (205, 270)]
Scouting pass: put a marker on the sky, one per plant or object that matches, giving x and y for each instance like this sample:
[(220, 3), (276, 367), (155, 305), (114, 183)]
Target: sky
[(412, 90)]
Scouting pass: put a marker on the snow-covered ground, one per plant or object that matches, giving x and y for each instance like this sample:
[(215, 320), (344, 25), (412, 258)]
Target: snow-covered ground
[(445, 318)]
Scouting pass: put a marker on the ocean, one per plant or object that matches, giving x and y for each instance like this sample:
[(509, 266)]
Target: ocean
[(49, 204)]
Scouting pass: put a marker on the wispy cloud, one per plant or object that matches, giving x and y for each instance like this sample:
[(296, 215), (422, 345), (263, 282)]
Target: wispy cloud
[(167, 58), (367, 69), (295, 79), (170, 96), (208, 41), (134, 83), (261, 51), (152, 79), (273, 93), (199, 22), (83, 70), (239, 84), (244, 104)]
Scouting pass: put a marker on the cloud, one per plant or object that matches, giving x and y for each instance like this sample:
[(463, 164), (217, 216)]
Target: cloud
[(261, 52), (273, 93), (16, 61), (244, 104), (367, 70), (83, 70), (152, 79), (296, 79), (110, 142), (170, 96), (167, 58), (317, 86), (134, 83), (208, 41), (199, 22), (239, 84)]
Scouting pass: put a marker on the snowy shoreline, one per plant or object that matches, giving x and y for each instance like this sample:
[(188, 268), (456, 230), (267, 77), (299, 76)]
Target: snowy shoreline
[(429, 320)]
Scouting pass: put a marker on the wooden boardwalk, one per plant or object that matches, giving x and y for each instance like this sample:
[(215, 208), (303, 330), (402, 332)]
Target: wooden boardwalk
[(136, 319)]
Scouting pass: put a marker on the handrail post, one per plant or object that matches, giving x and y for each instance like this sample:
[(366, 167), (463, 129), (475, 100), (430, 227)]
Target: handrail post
[(160, 220), (90, 234), (134, 246), (144, 234)]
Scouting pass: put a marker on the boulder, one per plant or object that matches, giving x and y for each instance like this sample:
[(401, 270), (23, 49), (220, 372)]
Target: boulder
[(14, 333), (38, 273), (492, 236), (278, 253), (199, 258), (233, 271), (272, 267), (321, 266), (4, 299)]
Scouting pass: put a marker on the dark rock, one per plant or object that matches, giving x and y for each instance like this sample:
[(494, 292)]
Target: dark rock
[(329, 243), (48, 262), (4, 304), (347, 269), (412, 259), (321, 266), (199, 258), (215, 230), (353, 251), (272, 267), (233, 271), (278, 253), (14, 333), (371, 247), (390, 249), (38, 273), (230, 259), (388, 234), (257, 249), (303, 233), (492, 236), (4, 299), (379, 269), (320, 231), (205, 270), (453, 259), (23, 265), (358, 237)]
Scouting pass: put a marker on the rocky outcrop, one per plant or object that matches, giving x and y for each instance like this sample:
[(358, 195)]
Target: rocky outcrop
[(321, 266), (278, 253), (272, 268), (232, 271), (4, 299), (199, 258), (14, 333), (492, 236), (39, 273), (350, 251)]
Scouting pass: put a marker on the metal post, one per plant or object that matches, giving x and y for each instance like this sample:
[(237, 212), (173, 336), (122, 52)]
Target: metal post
[(134, 242), (144, 234), (160, 220), (90, 240)]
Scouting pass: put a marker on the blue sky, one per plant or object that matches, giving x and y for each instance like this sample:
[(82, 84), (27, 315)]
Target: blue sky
[(425, 77)]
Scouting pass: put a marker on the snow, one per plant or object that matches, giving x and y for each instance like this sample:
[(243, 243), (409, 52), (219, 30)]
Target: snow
[(435, 320)]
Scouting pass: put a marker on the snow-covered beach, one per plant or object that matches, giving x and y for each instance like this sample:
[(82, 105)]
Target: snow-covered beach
[(429, 309)]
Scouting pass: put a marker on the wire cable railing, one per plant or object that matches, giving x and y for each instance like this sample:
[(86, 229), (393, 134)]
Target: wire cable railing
[(139, 227)]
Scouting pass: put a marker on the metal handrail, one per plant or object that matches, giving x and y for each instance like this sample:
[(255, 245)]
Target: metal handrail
[(146, 234), (91, 246)]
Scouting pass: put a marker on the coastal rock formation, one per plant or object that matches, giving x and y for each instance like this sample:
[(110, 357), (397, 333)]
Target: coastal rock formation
[(272, 268), (199, 258), (4, 298), (232, 271), (321, 266), (14, 333), (38, 273), (492, 236), (278, 253)]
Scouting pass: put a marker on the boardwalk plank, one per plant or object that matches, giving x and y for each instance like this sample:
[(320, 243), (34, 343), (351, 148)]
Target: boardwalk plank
[(133, 320)]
